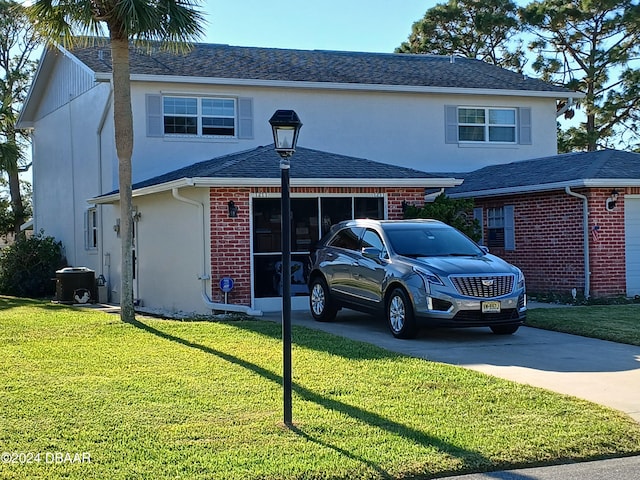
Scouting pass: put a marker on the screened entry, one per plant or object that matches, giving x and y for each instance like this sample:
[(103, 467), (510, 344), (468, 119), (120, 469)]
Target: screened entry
[(311, 218)]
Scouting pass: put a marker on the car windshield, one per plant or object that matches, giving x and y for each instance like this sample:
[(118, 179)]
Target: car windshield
[(431, 241)]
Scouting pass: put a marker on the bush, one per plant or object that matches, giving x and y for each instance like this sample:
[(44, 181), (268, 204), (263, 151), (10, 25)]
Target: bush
[(455, 212), (28, 266)]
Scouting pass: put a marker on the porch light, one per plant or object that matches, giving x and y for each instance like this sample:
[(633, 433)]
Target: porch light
[(610, 202), (286, 126)]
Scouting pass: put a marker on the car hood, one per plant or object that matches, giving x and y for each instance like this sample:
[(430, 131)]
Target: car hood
[(484, 265)]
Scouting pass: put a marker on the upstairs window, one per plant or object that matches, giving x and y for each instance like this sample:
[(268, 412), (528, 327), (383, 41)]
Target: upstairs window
[(199, 116), (487, 125)]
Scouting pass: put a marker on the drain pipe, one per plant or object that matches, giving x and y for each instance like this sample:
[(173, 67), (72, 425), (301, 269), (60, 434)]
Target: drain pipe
[(205, 277), (585, 221)]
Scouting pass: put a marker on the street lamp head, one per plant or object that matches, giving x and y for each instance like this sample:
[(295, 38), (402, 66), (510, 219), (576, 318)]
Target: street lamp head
[(286, 126)]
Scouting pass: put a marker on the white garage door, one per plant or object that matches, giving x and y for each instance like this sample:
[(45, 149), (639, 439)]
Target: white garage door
[(632, 240)]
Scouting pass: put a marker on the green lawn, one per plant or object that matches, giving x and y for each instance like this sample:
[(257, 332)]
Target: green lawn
[(618, 323), (163, 399)]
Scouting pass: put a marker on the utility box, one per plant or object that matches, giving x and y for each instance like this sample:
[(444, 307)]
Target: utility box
[(76, 285)]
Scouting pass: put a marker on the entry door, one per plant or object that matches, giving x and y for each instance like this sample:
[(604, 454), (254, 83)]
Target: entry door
[(632, 243)]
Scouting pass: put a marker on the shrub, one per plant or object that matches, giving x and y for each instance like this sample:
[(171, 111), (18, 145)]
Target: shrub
[(455, 212), (28, 266)]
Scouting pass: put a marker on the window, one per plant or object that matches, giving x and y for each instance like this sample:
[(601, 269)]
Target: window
[(500, 227), (495, 226), (311, 217), (91, 238), (487, 125), (199, 116)]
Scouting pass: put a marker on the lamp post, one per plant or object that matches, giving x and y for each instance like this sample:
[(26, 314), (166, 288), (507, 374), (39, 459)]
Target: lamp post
[(286, 126)]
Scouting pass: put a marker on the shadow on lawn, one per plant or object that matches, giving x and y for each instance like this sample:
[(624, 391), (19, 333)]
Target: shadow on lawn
[(7, 303), (364, 416)]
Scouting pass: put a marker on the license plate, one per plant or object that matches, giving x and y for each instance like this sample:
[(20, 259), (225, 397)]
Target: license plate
[(490, 307)]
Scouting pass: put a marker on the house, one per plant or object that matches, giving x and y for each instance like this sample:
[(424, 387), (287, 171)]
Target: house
[(412, 112), (571, 222)]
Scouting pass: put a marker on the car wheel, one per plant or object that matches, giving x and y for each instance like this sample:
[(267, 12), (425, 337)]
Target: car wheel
[(504, 329), (400, 315), (322, 306)]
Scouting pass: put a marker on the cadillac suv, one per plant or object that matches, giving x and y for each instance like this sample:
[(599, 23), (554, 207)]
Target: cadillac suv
[(414, 272)]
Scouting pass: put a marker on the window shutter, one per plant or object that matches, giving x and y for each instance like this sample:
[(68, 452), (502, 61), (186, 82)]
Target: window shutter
[(524, 126), (245, 118), (451, 124), (154, 116), (478, 215), (509, 228)]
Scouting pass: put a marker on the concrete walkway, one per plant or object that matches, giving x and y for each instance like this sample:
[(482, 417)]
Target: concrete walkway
[(603, 372)]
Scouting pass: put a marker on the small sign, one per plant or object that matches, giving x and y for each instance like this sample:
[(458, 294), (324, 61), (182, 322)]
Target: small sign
[(226, 284)]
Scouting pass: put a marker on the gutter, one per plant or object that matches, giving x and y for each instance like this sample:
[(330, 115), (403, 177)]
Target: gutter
[(567, 106), (205, 277), (585, 221), (316, 85)]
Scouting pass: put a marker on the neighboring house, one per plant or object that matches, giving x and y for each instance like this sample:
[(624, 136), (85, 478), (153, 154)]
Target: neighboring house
[(428, 113), (569, 221)]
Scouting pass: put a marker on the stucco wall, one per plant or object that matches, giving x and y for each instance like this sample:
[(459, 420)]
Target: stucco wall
[(404, 129)]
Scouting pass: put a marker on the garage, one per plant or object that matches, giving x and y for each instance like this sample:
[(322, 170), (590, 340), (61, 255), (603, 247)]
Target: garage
[(632, 237)]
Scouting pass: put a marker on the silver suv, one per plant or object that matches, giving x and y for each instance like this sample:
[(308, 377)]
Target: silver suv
[(414, 271)]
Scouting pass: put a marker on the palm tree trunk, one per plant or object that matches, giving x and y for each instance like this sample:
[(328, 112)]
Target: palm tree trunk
[(16, 201), (123, 123)]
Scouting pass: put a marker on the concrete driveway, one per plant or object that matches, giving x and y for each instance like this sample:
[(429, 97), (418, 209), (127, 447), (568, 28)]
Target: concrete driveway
[(603, 372)]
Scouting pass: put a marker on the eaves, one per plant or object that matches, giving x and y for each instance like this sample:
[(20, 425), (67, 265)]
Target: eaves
[(581, 183), (208, 182), (106, 77)]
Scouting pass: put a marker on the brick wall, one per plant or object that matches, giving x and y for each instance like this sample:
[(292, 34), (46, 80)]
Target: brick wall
[(549, 241), (231, 237), (607, 248)]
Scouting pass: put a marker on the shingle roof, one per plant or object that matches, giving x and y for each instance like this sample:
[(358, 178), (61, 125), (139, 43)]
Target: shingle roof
[(273, 64), (264, 163), (603, 165)]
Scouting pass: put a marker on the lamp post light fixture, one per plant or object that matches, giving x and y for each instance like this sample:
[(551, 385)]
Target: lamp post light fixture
[(286, 126)]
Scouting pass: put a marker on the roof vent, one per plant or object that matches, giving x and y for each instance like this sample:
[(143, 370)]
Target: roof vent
[(100, 54), (452, 59)]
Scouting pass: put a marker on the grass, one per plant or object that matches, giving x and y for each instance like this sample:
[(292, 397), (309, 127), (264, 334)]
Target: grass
[(617, 323), (193, 400)]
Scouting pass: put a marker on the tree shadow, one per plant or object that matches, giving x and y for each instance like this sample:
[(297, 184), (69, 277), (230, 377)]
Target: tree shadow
[(359, 414)]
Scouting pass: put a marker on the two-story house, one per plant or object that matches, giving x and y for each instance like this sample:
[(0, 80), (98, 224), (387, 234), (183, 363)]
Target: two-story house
[(206, 181)]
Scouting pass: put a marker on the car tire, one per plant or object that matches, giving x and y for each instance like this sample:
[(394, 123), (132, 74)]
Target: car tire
[(400, 317), (322, 306), (504, 329)]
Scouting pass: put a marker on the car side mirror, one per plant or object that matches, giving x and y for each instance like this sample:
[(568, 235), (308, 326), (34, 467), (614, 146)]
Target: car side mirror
[(372, 253), (484, 249)]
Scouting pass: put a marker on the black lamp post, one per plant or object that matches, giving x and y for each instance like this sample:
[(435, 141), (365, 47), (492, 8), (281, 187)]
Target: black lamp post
[(286, 126)]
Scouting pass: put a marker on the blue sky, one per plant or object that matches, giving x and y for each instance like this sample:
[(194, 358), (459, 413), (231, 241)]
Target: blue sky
[(351, 25)]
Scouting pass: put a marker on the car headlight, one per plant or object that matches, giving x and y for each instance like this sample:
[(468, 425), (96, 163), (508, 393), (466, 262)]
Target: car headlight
[(428, 278), (520, 279)]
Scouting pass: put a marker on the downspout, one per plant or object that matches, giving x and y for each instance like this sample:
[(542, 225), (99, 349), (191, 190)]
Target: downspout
[(585, 222), (205, 277), (103, 120)]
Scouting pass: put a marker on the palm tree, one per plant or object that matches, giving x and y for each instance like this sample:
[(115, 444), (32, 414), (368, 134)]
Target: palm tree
[(70, 22)]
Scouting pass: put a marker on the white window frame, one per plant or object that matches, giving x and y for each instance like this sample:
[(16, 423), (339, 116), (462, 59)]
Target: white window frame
[(487, 125), (91, 229), (199, 116)]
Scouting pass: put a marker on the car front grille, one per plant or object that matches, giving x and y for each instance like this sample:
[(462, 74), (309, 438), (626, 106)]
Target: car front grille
[(470, 317), (484, 287)]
